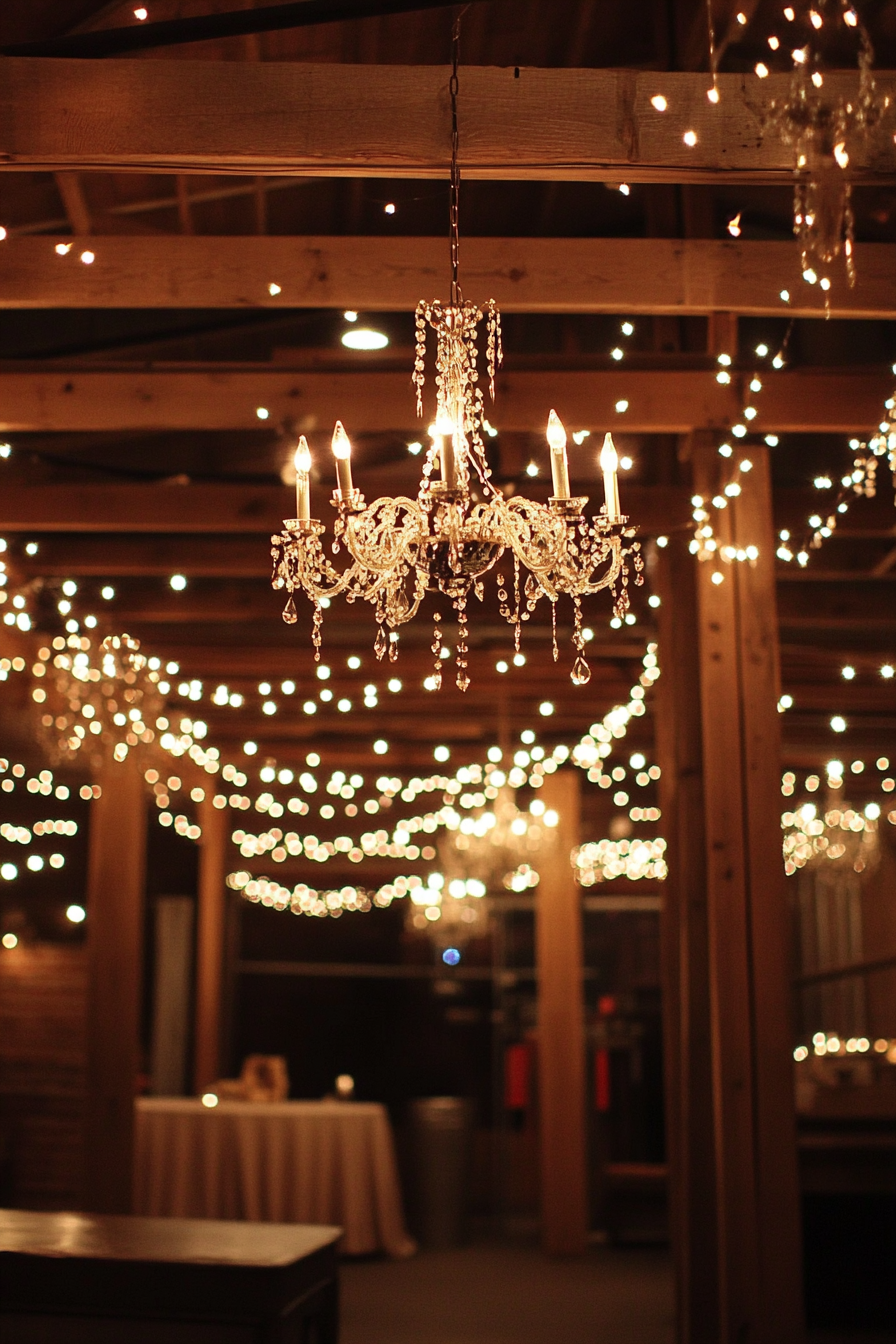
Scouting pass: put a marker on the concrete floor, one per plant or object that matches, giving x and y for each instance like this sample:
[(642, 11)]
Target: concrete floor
[(509, 1294)]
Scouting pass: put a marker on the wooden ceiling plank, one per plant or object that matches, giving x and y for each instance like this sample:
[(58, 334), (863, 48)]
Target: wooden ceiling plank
[(393, 121), (225, 397), (557, 275)]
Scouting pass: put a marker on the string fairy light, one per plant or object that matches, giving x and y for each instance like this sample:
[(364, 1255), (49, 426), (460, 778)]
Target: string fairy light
[(84, 673), (706, 509), (606, 860), (858, 483)]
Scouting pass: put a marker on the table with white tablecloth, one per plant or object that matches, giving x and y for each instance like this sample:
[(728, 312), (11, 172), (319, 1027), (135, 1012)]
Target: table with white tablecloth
[(283, 1162)]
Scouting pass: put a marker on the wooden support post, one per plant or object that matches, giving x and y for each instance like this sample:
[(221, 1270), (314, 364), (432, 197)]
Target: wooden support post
[(777, 1180), (210, 934), (731, 1123), (115, 892), (759, 1277), (729, 945), (685, 952), (561, 1030)]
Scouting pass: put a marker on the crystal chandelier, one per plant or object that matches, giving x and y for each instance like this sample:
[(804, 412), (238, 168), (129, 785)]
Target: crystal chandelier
[(461, 526), (95, 699), (840, 836), (826, 129), (494, 849), (486, 854)]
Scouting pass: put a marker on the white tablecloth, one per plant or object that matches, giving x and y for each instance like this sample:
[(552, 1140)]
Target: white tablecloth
[(284, 1162)]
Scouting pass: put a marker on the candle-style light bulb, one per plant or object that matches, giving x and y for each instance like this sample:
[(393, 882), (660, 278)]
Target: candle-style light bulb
[(342, 451), (443, 437), (302, 461), (556, 436), (609, 465)]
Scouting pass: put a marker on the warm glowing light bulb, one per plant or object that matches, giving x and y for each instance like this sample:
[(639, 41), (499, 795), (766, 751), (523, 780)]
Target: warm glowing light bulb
[(556, 433), (556, 436), (342, 451), (302, 462), (302, 457), (609, 458), (609, 465)]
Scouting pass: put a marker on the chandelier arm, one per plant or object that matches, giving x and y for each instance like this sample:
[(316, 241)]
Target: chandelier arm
[(300, 565), (375, 540), (581, 586), (540, 537)]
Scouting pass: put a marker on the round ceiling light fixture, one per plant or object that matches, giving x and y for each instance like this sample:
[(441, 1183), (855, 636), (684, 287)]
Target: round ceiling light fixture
[(364, 338)]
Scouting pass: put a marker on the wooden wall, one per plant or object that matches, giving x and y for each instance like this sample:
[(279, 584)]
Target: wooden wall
[(43, 995)]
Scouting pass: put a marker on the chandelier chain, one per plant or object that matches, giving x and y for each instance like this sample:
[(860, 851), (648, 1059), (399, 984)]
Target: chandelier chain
[(454, 195)]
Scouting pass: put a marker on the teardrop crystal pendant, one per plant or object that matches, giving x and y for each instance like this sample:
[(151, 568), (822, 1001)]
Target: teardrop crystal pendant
[(463, 681), (581, 672), (380, 643), (289, 612)]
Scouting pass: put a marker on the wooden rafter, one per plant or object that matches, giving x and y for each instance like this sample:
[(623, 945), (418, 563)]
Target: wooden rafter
[(385, 121), (569, 275), (659, 402), (231, 509)]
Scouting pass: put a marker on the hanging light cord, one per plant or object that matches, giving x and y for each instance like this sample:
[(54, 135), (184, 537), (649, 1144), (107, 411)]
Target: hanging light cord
[(457, 297)]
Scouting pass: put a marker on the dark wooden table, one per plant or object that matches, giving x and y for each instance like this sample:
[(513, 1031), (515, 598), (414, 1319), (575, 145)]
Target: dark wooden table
[(74, 1278)]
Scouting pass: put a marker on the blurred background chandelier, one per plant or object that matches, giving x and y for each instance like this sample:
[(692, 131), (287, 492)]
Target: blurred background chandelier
[(460, 526)]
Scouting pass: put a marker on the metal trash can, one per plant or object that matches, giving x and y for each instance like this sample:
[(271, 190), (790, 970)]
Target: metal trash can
[(442, 1150)]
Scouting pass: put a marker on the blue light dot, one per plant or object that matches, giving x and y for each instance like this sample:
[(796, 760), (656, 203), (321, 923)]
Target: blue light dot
[(451, 956)]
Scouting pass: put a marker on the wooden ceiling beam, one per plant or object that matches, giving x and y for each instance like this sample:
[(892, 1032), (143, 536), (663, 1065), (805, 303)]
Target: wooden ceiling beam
[(196, 512), (246, 603), (328, 120), (552, 275), (119, 557), (227, 397), (245, 556), (274, 662)]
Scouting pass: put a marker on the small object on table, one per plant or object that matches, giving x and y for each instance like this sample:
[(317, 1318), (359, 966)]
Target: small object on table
[(69, 1278), (263, 1078), (345, 1087)]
